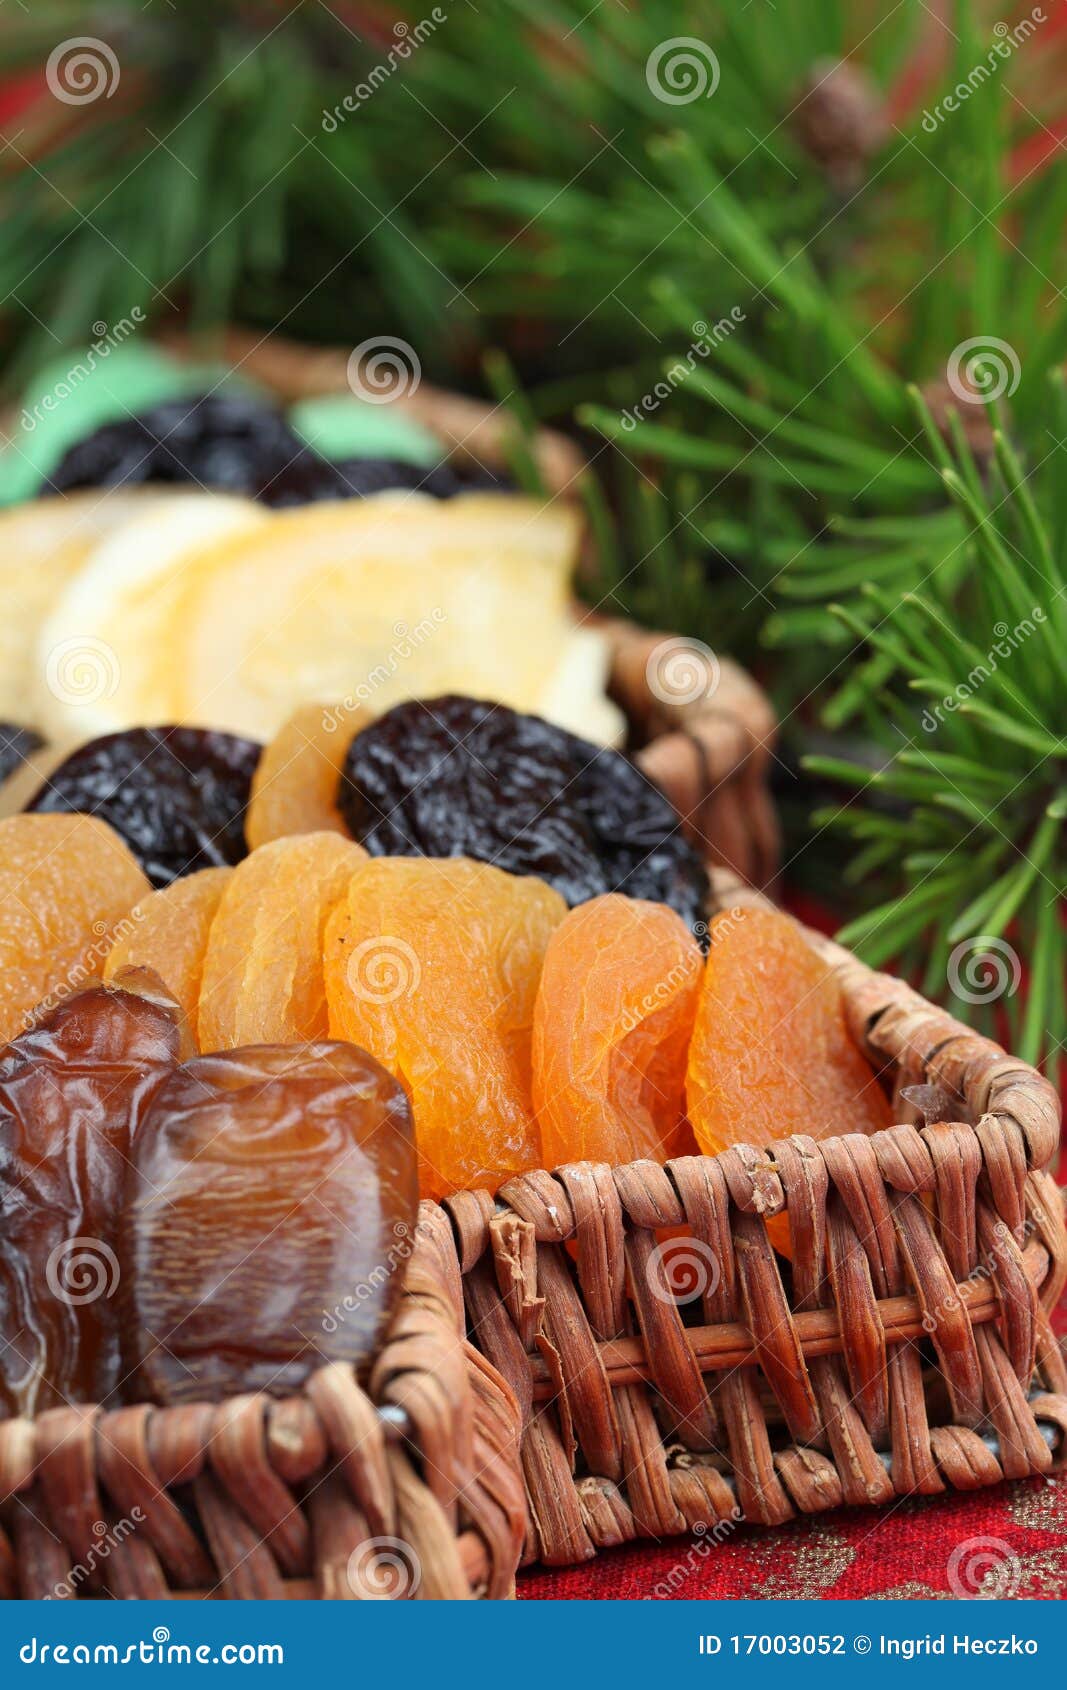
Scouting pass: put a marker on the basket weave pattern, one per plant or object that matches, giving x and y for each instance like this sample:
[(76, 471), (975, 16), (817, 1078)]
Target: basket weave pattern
[(794, 1391), (256, 1497)]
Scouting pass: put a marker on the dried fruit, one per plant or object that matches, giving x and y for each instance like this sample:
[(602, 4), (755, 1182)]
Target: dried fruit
[(263, 971), (612, 1024), (168, 932), (73, 1091), (377, 599), (177, 796), (16, 744), (99, 650), (454, 777), (294, 788), (270, 1211), (434, 967), (43, 544), (66, 884), (771, 1054), (227, 441)]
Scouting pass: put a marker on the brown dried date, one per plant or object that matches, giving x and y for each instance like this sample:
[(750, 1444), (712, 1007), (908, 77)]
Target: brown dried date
[(73, 1091), (272, 1202)]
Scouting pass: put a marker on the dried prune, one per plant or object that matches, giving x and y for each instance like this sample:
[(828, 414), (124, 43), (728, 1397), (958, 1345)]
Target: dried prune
[(177, 796), (235, 443), (16, 744), (227, 441), (270, 1210), (308, 479), (73, 1091), (455, 777)]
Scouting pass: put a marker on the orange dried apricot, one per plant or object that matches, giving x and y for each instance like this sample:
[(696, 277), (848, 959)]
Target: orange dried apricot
[(433, 965), (66, 883), (168, 933), (771, 1054), (294, 788), (262, 981), (612, 1025)]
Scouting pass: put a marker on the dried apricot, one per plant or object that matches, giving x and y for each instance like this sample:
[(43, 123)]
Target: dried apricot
[(294, 788), (168, 932), (612, 1024), (262, 981), (66, 883), (771, 1054), (433, 966)]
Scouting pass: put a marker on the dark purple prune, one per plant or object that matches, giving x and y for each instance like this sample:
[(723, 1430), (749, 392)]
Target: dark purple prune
[(73, 1092), (227, 441), (453, 777), (309, 479), (270, 1210), (177, 796), (16, 744)]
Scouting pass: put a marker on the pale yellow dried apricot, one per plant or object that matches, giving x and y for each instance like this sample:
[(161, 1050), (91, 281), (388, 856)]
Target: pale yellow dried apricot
[(168, 933), (262, 981), (294, 788)]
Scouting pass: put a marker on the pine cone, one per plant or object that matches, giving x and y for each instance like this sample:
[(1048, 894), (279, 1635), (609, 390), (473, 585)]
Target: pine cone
[(839, 119), (940, 397)]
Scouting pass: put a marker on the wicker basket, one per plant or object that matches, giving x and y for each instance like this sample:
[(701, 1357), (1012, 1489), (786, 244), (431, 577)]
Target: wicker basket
[(907, 1350), (407, 1487)]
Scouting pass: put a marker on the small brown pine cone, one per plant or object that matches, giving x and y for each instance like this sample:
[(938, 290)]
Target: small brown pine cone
[(839, 119)]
